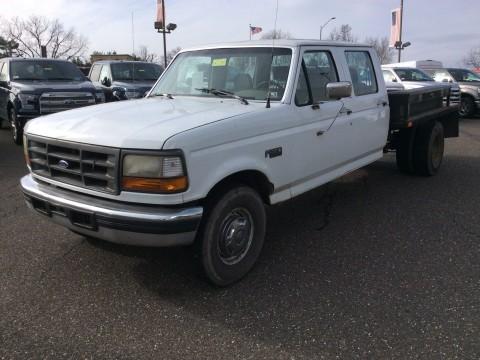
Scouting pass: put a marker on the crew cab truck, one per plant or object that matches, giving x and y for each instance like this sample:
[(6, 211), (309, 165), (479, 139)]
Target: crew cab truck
[(34, 87), (225, 131)]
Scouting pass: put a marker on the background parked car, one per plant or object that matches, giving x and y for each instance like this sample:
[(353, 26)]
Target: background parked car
[(124, 80), (412, 78), (466, 80), (34, 87)]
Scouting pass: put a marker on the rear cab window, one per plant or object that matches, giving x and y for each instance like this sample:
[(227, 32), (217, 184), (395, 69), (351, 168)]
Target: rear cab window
[(95, 74), (362, 72), (3, 71)]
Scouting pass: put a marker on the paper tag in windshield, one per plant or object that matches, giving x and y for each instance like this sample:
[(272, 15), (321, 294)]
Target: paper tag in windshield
[(219, 62)]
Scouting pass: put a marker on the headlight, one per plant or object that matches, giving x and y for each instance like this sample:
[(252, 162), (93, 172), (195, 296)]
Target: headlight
[(100, 96), (132, 94), (154, 173), (28, 101)]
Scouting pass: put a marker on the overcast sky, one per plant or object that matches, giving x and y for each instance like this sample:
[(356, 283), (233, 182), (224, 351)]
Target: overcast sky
[(438, 29)]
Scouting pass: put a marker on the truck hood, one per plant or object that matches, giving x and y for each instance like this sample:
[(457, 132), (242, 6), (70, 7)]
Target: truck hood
[(38, 87), (137, 124), (420, 84)]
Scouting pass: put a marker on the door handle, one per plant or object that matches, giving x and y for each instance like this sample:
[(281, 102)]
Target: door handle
[(382, 103)]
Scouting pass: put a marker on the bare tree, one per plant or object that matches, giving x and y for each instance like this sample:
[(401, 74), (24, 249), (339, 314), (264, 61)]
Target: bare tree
[(382, 46), (473, 58), (344, 33), (37, 31), (171, 54), (276, 34), (144, 55), (7, 47)]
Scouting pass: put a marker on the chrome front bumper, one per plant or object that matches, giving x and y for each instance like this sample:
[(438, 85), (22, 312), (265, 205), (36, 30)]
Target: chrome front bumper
[(132, 224)]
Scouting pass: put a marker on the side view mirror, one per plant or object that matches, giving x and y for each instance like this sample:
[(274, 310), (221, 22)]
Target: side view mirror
[(106, 82), (3, 83), (339, 90), (394, 80), (445, 80)]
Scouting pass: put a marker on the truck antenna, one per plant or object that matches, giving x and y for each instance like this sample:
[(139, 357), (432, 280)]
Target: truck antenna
[(271, 61)]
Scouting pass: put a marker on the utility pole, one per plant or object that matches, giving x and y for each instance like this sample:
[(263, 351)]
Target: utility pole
[(165, 35), (401, 28), (161, 28)]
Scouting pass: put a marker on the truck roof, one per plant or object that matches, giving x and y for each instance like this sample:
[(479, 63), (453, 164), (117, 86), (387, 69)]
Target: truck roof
[(33, 59), (123, 61), (278, 43), (421, 64)]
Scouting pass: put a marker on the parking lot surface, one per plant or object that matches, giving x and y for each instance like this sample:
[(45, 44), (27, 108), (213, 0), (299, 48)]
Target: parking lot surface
[(375, 265)]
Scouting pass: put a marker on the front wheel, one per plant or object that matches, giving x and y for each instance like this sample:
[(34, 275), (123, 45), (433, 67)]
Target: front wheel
[(467, 106), (16, 127), (232, 235)]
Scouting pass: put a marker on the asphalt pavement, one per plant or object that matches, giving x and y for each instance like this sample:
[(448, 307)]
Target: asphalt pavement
[(375, 265)]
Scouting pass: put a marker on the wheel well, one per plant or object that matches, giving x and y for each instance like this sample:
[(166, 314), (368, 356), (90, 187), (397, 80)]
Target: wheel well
[(253, 178)]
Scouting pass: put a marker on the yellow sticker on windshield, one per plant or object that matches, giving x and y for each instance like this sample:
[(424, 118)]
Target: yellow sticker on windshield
[(219, 62)]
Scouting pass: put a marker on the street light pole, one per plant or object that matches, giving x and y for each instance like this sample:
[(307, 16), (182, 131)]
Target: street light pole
[(165, 35), (321, 27), (401, 27)]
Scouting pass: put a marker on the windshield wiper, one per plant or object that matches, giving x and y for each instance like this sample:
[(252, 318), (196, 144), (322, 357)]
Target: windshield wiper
[(168, 96), (223, 93)]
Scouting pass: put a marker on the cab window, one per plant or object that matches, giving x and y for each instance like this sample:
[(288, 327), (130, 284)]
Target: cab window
[(318, 69), (362, 72), (3, 71), (388, 76), (95, 74), (104, 73)]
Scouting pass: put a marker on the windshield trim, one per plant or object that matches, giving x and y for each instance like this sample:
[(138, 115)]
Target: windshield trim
[(287, 95)]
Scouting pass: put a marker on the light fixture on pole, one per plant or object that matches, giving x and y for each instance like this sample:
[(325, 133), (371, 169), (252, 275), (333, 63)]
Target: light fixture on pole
[(161, 28), (321, 27), (399, 45)]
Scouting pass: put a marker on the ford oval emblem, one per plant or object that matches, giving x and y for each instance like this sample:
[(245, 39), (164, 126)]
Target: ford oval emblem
[(63, 164)]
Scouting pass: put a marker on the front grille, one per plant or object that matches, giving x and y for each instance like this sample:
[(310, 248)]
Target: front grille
[(88, 166), (60, 101)]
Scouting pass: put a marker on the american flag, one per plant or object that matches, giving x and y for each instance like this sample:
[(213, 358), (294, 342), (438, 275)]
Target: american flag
[(255, 30)]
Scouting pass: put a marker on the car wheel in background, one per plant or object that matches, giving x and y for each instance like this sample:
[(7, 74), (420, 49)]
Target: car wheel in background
[(467, 106), (16, 127)]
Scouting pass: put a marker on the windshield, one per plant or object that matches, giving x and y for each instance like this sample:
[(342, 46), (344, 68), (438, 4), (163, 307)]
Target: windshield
[(463, 75), (45, 70), (246, 72), (135, 71), (412, 75)]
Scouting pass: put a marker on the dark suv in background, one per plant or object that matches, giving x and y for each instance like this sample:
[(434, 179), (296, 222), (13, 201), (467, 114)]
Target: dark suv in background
[(123, 80), (34, 87)]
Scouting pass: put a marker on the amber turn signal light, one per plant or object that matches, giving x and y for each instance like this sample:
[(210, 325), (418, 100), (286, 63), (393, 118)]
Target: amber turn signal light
[(165, 185)]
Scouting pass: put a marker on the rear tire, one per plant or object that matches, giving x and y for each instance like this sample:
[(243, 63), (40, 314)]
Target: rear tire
[(232, 235), (429, 148), (404, 150), (16, 127)]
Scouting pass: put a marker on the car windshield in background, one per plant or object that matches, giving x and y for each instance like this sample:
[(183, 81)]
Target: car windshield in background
[(246, 72), (135, 72), (412, 75), (45, 70), (462, 75)]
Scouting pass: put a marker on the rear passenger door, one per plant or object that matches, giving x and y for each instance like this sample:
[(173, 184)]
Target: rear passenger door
[(368, 107)]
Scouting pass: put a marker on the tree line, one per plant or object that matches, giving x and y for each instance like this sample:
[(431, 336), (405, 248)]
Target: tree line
[(26, 37)]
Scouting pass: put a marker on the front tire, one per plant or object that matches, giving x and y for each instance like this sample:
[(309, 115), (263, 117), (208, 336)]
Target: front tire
[(232, 235), (467, 106), (16, 127)]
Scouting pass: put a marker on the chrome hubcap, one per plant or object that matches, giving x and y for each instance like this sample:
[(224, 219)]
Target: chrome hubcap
[(236, 234)]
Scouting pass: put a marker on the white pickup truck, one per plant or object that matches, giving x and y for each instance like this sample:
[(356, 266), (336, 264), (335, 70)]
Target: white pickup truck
[(226, 130)]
